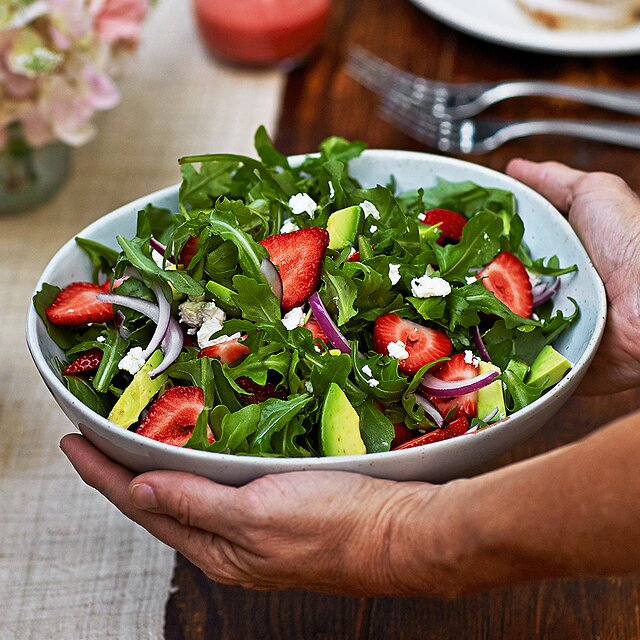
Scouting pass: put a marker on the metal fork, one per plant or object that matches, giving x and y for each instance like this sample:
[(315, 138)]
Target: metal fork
[(458, 101), (481, 136)]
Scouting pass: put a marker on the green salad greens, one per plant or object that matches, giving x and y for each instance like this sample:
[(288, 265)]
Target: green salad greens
[(314, 342)]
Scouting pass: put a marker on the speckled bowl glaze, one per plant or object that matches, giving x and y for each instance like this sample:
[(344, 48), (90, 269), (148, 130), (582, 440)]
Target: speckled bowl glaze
[(547, 233)]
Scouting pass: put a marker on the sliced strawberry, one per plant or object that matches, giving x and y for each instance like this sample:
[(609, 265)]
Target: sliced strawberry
[(227, 352), (506, 276), (76, 305), (87, 361), (258, 393), (316, 330), (423, 344), (450, 223), (403, 434), (189, 250), (298, 256), (172, 417), (455, 370), (354, 257), (457, 428)]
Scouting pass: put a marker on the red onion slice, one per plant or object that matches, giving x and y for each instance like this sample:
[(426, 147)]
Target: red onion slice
[(446, 389), (320, 313), (172, 341), (272, 276), (160, 248), (480, 346), (164, 315), (120, 326), (545, 293), (430, 409)]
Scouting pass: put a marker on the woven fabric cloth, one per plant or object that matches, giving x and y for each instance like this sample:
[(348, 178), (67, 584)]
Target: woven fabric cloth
[(71, 565)]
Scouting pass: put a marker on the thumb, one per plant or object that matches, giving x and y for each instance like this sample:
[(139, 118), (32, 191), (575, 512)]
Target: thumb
[(191, 500), (553, 180)]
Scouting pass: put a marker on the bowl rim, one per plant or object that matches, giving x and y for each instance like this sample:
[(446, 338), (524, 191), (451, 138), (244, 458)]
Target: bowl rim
[(317, 462)]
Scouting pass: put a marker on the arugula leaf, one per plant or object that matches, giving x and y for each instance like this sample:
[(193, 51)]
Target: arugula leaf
[(375, 428), (234, 428), (256, 300), (339, 290), (82, 390), (64, 337), (113, 350), (102, 257)]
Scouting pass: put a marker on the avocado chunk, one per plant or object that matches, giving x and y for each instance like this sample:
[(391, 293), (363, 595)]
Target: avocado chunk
[(343, 227), (339, 425), (139, 393), (548, 368), (491, 397)]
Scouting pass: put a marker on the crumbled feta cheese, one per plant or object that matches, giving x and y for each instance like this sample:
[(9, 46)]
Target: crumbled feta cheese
[(316, 348), (370, 210), (534, 316), (367, 370), (303, 203), (308, 386), (394, 273), (422, 217), (133, 361), (469, 358), (373, 382), (220, 340), (289, 226), (294, 318), (373, 228), (195, 313), (470, 279), (332, 191), (208, 328), (101, 339), (428, 287), (397, 350)]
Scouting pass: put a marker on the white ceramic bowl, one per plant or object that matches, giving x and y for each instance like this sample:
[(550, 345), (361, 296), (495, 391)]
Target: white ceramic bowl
[(547, 233)]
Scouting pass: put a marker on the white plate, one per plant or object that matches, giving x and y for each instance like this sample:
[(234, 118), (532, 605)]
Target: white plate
[(502, 22)]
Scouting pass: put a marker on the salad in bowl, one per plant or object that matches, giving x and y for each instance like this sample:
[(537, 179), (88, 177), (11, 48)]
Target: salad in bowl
[(284, 310)]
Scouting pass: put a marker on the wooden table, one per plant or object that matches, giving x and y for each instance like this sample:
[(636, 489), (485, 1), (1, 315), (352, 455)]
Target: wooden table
[(320, 101)]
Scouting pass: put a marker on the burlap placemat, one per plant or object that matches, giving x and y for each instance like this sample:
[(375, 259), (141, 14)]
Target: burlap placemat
[(71, 566)]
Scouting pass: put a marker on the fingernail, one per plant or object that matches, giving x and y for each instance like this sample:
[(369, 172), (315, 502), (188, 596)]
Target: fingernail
[(143, 496)]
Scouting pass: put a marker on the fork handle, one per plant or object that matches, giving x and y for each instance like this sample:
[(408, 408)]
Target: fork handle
[(625, 101), (627, 135)]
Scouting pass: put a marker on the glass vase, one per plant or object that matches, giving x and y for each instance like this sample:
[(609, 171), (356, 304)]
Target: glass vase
[(30, 176)]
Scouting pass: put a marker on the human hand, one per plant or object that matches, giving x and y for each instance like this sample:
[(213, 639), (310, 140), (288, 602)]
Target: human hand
[(333, 532), (605, 214)]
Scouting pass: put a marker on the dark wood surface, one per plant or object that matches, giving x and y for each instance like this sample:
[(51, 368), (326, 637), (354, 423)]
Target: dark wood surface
[(321, 100)]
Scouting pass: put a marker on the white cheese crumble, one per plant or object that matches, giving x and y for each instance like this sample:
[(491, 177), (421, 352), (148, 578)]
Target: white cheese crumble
[(195, 313), (422, 217), (332, 191), (394, 273), (470, 279), (133, 361), (101, 339), (220, 339), (308, 386), (373, 228), (303, 203), (370, 210), (367, 371), (208, 328), (294, 318), (373, 382), (316, 348), (397, 350), (469, 358), (289, 226), (429, 287)]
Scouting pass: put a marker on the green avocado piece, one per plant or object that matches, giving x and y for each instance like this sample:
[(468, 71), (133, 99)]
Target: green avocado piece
[(491, 397), (548, 368), (343, 227), (339, 425), (139, 393)]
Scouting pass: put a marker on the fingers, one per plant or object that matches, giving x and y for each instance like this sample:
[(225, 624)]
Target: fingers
[(191, 500), (553, 180)]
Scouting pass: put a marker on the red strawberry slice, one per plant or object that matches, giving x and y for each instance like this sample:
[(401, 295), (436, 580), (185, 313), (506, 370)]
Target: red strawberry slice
[(258, 393), (172, 417), (316, 330), (189, 250), (450, 223), (455, 370), (457, 428), (423, 344), (506, 276), (87, 361), (298, 256), (227, 352), (403, 434), (76, 305), (354, 257)]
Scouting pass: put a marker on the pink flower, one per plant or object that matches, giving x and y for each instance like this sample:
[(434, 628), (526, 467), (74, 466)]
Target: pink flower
[(120, 20), (100, 90), (35, 128)]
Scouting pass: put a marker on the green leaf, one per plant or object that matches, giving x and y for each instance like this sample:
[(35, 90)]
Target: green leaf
[(102, 257), (113, 350), (267, 152), (339, 291), (256, 301), (64, 337), (375, 428), (235, 428), (81, 389)]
